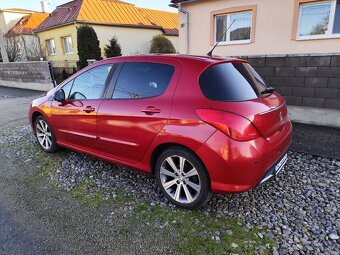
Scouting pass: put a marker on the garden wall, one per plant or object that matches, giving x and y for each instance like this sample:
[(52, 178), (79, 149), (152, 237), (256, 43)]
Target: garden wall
[(304, 80), (26, 75)]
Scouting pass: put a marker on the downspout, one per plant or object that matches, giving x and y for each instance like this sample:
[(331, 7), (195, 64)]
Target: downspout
[(186, 24)]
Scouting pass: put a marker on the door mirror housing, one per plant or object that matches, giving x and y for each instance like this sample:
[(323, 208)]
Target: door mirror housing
[(59, 95)]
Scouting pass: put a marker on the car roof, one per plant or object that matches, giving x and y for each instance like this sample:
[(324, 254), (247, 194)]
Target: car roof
[(180, 58)]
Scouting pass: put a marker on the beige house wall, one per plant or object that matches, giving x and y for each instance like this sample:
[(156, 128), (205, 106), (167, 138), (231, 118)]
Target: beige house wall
[(132, 40), (57, 34), (9, 19), (273, 35)]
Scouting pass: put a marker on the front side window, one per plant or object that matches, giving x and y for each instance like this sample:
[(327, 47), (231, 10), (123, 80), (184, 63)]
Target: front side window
[(319, 20), (67, 88), (90, 84), (51, 49), (142, 80), (67, 44), (239, 24)]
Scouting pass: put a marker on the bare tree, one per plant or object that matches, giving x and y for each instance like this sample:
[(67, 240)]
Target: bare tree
[(33, 50), (13, 49), (320, 28)]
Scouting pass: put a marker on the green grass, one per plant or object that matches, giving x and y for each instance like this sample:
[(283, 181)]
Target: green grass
[(195, 230), (192, 230)]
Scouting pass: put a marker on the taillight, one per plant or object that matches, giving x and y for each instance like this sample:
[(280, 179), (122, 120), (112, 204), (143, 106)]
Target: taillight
[(234, 126)]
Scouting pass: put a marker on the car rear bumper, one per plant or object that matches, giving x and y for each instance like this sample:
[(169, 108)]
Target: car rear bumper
[(275, 169), (236, 167)]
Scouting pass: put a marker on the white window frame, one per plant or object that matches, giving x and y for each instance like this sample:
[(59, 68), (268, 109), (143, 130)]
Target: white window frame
[(53, 51), (63, 40), (329, 33), (228, 42)]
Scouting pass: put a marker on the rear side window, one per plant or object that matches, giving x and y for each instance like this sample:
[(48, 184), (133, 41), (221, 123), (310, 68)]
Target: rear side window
[(142, 80), (231, 82)]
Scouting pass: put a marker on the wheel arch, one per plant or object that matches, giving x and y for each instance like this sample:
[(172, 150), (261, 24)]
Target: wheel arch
[(163, 147), (35, 115)]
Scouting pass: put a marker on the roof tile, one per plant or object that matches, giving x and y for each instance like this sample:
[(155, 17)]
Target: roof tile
[(111, 12), (27, 24)]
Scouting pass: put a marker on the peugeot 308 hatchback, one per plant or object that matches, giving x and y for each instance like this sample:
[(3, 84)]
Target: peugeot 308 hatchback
[(198, 124)]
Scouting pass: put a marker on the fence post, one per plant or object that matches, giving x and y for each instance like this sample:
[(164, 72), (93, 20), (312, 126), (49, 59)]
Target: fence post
[(52, 74)]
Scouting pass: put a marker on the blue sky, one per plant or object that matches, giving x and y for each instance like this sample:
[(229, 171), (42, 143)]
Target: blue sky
[(35, 4)]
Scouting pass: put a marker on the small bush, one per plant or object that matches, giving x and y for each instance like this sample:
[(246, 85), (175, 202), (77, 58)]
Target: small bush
[(161, 44), (113, 49)]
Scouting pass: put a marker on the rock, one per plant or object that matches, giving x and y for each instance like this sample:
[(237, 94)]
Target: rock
[(229, 232), (333, 236), (234, 245)]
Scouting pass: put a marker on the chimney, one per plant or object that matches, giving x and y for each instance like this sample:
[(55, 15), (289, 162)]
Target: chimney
[(44, 7)]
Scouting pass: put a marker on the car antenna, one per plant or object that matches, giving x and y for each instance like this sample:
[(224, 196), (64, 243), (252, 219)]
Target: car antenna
[(210, 53)]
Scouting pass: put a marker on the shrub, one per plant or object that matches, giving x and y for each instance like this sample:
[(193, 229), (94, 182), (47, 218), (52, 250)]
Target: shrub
[(113, 49), (64, 74), (88, 45), (161, 44)]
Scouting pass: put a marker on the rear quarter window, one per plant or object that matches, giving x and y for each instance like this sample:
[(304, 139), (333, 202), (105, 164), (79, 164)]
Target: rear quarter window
[(231, 82)]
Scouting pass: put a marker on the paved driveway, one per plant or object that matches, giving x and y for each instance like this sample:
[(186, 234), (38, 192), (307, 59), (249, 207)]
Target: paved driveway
[(14, 238), (14, 103)]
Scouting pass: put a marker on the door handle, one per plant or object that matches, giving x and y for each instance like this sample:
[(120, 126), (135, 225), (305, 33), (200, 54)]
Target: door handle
[(88, 109), (150, 110)]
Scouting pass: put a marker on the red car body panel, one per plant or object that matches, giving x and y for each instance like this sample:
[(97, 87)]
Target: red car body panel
[(121, 132)]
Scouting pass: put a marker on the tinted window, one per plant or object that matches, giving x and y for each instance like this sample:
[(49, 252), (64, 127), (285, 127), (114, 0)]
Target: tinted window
[(90, 84), (231, 82), (142, 80)]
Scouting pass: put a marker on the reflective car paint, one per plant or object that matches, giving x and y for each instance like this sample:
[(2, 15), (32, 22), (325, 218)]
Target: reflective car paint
[(120, 132)]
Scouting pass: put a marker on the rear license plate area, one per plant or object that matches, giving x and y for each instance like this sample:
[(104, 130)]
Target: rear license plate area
[(280, 166)]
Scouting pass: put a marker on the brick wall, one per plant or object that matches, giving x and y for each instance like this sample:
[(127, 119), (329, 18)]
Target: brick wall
[(27, 75), (312, 81)]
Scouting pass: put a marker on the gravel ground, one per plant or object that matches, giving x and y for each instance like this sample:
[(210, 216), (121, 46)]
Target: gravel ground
[(300, 207)]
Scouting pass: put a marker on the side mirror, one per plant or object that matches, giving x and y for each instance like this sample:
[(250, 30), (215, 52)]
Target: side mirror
[(59, 95)]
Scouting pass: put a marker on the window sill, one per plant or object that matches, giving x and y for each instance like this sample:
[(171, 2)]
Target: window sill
[(70, 53), (54, 54), (234, 43), (317, 37)]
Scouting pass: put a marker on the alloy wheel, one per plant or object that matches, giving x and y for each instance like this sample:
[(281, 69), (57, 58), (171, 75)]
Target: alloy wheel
[(44, 134), (180, 179)]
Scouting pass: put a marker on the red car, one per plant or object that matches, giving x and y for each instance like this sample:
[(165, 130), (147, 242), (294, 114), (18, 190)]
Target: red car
[(199, 124)]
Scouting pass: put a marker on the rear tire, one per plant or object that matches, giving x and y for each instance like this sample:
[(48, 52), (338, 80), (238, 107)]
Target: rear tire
[(45, 136), (182, 178)]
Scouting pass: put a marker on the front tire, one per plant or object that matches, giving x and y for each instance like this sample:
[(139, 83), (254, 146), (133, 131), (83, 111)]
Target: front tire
[(44, 134), (182, 178)]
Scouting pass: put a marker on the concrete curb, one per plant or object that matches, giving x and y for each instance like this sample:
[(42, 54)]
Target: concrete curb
[(314, 116)]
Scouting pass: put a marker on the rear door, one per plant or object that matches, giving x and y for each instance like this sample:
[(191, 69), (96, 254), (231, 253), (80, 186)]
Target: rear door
[(137, 109), (75, 118)]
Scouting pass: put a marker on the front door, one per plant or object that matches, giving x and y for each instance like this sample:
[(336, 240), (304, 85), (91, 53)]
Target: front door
[(138, 110), (75, 118)]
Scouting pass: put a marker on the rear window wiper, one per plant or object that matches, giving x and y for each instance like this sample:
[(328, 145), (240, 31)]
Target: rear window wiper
[(268, 90)]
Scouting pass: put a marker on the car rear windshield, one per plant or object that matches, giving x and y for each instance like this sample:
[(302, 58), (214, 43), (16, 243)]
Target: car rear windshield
[(234, 81)]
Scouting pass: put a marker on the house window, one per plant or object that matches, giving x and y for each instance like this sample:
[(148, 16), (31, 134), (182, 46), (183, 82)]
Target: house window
[(67, 44), (319, 20), (233, 28), (51, 50)]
